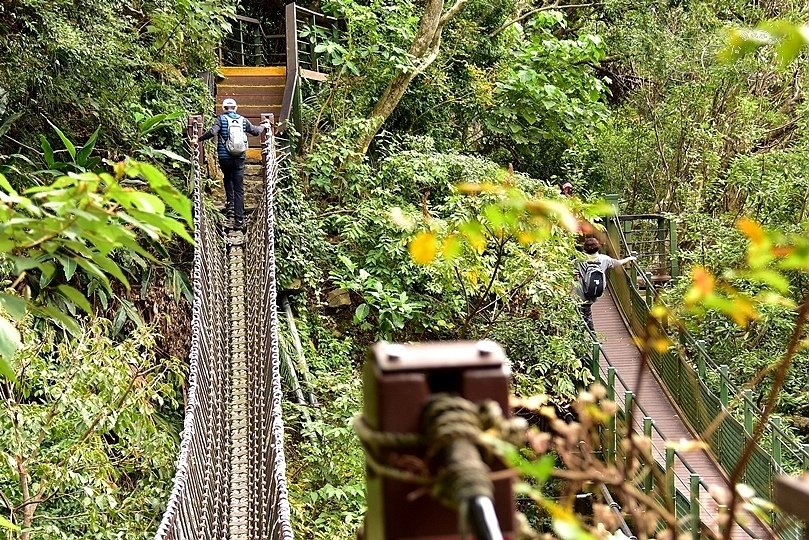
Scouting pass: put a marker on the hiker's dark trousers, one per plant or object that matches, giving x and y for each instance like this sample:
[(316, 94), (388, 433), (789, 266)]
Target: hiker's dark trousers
[(586, 310), (233, 170)]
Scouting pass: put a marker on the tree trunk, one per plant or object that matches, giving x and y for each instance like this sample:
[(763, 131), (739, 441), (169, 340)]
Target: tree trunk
[(424, 51)]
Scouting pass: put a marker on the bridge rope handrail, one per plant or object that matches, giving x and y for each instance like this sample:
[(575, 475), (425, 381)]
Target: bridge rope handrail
[(230, 480)]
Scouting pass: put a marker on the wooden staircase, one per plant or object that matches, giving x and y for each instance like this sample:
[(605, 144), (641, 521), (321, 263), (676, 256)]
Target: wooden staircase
[(256, 90)]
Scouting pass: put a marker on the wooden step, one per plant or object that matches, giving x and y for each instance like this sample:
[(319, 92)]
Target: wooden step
[(251, 71), (272, 100)]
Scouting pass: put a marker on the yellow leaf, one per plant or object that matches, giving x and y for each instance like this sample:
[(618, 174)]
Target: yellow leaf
[(423, 248), (743, 311), (703, 283), (470, 188), (524, 237), (451, 247), (660, 344), (751, 229)]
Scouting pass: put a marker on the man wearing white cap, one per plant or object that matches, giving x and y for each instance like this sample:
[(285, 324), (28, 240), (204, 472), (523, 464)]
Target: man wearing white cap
[(231, 148)]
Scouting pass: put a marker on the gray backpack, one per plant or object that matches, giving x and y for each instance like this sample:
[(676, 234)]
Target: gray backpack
[(236, 143), (592, 280)]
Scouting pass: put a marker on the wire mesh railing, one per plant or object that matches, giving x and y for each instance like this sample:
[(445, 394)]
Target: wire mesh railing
[(687, 383), (652, 238), (230, 480), (678, 493), (249, 45)]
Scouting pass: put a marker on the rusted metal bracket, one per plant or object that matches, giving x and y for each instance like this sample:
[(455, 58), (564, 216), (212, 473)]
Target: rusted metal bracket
[(399, 380)]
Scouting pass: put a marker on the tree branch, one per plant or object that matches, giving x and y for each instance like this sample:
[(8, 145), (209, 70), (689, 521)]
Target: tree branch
[(538, 10)]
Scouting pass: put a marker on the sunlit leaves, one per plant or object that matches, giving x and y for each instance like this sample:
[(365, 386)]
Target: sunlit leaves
[(6, 524), (423, 247), (9, 342), (770, 254), (504, 212), (787, 38), (549, 89), (703, 284)]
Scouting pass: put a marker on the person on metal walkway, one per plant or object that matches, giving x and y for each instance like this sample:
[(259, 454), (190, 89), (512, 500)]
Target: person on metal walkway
[(231, 130), (592, 274)]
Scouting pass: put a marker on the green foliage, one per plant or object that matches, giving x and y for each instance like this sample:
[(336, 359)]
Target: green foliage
[(87, 434), (326, 463), (548, 89), (89, 63), (69, 231)]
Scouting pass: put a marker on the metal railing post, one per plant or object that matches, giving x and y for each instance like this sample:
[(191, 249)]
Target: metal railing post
[(694, 506), (674, 249), (241, 42), (723, 385), (649, 289), (258, 53), (670, 491), (776, 440), (611, 425), (748, 411), (701, 368), (661, 242), (647, 432), (627, 227), (628, 397), (594, 361)]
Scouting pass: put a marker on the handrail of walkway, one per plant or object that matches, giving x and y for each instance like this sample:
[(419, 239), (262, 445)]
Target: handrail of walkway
[(773, 429), (296, 67), (687, 385), (683, 487)]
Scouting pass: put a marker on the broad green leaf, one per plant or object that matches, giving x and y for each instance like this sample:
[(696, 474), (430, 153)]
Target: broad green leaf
[(69, 267), (177, 201), (362, 312), (8, 122), (50, 311), (9, 343), (95, 272), (6, 524), (149, 123), (6, 186), (147, 202), (76, 297), (152, 175), (13, 305), (109, 266), (71, 149), (165, 224), (47, 151), (85, 151), (48, 269)]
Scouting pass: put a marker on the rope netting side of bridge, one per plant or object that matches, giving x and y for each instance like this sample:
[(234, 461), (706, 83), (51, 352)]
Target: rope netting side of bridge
[(230, 480), (684, 372)]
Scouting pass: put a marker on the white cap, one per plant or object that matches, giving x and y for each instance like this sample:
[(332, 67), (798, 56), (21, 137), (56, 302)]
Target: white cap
[(229, 102)]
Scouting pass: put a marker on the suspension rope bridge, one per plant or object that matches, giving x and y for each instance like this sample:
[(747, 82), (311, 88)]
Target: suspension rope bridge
[(230, 480)]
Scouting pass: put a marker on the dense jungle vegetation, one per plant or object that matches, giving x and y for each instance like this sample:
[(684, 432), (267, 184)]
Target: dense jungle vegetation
[(378, 235)]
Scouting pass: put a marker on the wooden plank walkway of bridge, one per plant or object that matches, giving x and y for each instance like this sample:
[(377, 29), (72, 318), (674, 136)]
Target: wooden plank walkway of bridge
[(625, 357)]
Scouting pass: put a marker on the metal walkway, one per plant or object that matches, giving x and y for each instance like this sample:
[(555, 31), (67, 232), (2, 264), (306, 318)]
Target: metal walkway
[(620, 352)]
